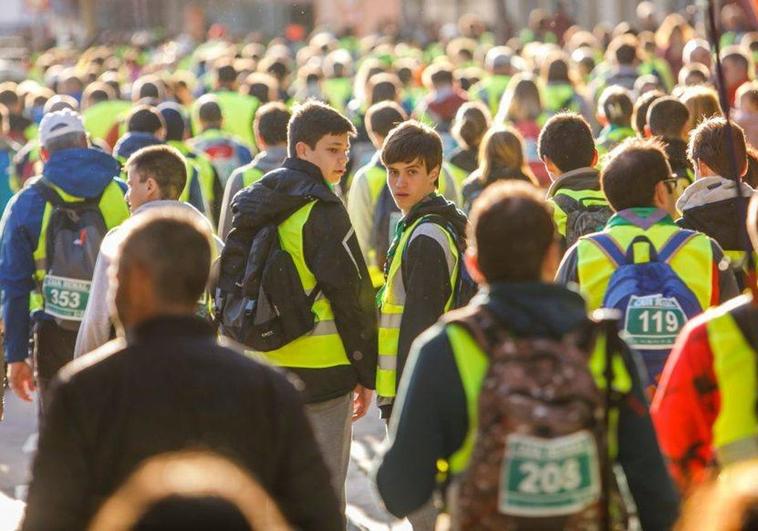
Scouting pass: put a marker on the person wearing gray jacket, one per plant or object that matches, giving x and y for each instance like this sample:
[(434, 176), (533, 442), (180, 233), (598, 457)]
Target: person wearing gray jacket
[(156, 178)]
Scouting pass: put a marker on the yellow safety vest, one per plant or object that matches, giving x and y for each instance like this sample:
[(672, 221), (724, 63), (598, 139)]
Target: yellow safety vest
[(472, 363), (392, 305), (114, 209), (322, 347), (735, 432), (250, 176), (585, 197)]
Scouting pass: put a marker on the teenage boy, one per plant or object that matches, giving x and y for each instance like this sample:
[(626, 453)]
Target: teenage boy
[(424, 259), (711, 204), (638, 184), (436, 412), (270, 128), (567, 149), (336, 362), (372, 210), (668, 120)]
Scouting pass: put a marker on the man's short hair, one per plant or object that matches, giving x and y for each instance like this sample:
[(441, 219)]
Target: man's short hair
[(271, 122), (623, 49), (383, 117), (616, 105), (145, 119), (749, 89), (709, 144), (174, 247), (148, 86), (226, 73), (667, 117), (641, 106), (312, 121), (411, 141), (209, 110), (632, 171), (165, 165), (566, 139), (735, 55), (500, 217)]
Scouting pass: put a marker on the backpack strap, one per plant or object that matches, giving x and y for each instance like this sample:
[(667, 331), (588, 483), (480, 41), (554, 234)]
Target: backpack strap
[(676, 242), (610, 247), (50, 195)]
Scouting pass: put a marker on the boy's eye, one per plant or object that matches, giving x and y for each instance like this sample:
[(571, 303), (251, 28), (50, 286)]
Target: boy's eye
[(412, 172)]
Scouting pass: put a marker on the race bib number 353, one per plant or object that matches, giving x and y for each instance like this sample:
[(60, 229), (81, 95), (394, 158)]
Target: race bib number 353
[(65, 298), (549, 477)]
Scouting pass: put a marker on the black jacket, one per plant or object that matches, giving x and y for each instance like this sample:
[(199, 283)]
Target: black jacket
[(465, 159), (676, 151), (331, 253), (170, 386), (474, 185), (426, 275), (433, 420), (577, 180)]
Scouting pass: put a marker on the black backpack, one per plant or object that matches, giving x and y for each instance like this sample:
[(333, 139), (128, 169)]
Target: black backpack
[(583, 216), (73, 236), (262, 304)]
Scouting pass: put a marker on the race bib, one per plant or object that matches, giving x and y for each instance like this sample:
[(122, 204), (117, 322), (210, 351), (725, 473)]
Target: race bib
[(549, 477), (65, 298), (653, 322)]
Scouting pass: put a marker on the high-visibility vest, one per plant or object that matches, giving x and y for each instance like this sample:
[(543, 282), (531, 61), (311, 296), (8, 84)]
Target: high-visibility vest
[(560, 97), (392, 305), (251, 175), (112, 206), (735, 431), (586, 197), (473, 362), (376, 178), (205, 172), (100, 118), (322, 347), (491, 90), (693, 263)]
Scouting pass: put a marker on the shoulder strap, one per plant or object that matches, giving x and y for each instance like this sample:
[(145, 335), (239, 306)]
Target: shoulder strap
[(676, 242), (481, 324), (610, 247), (53, 197)]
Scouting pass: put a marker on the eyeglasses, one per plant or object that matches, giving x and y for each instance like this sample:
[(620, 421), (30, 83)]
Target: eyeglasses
[(670, 183)]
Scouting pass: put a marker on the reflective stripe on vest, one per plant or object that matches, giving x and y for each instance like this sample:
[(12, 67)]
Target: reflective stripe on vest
[(692, 263), (250, 176), (322, 347), (472, 365), (112, 206), (392, 305), (735, 431)]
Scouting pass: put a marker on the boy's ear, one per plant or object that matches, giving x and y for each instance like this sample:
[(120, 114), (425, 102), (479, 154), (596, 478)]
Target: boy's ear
[(647, 133), (301, 149), (472, 265), (595, 157)]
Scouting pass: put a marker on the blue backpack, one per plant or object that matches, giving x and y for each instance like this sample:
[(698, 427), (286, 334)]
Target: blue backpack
[(654, 302)]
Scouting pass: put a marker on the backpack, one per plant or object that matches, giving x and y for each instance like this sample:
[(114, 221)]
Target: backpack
[(584, 215), (264, 306), (465, 287), (654, 301), (72, 242), (541, 457)]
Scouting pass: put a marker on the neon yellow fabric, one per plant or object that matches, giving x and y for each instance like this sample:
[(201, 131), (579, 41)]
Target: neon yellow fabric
[(473, 364), (322, 347), (587, 197), (238, 111), (693, 262), (338, 90), (250, 176), (100, 118), (734, 364), (205, 172), (391, 307), (493, 87), (559, 97)]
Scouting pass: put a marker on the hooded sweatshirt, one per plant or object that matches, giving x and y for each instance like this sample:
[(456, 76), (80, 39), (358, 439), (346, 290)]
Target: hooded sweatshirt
[(132, 142), (331, 252), (79, 172), (432, 419)]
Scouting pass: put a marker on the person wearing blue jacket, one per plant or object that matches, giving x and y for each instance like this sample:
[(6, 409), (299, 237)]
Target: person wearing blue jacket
[(74, 171)]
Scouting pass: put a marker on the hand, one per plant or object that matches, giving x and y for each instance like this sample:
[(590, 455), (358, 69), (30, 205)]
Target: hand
[(21, 379), (361, 401)]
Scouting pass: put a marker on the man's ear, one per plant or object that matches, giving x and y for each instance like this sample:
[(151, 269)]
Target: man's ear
[(44, 154), (152, 187), (595, 157), (646, 132), (550, 262), (301, 150), (472, 265)]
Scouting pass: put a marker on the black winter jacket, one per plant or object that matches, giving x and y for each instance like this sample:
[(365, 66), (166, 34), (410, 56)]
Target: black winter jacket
[(171, 386), (331, 253)]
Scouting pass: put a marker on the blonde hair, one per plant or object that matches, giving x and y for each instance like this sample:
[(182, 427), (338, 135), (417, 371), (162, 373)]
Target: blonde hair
[(502, 147), (521, 100), (702, 102), (671, 23)]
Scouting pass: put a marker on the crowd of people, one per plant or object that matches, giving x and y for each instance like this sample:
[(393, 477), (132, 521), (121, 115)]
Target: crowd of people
[(530, 255)]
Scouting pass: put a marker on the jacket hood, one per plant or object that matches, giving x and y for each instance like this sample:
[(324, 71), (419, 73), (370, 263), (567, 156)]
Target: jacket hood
[(280, 193), (579, 179), (438, 205), (81, 172), (708, 190), (534, 308), (270, 159), (131, 142)]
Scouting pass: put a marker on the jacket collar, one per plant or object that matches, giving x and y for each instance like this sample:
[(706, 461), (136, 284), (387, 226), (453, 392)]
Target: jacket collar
[(163, 328), (304, 166), (707, 190), (643, 217), (578, 179)]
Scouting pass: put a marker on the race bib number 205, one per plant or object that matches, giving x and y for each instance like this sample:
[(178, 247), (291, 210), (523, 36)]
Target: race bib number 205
[(549, 477)]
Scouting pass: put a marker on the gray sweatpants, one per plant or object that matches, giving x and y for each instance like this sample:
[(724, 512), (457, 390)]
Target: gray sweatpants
[(332, 424)]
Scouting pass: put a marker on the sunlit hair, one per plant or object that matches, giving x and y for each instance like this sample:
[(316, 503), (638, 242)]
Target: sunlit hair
[(521, 100)]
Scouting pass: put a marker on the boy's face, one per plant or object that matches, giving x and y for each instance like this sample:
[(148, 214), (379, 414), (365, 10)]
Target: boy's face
[(410, 182), (330, 155)]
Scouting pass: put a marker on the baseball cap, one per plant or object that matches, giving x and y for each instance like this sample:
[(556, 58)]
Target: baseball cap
[(58, 123)]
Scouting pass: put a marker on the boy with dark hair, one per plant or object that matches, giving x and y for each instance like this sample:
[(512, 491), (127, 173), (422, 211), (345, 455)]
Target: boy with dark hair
[(567, 149), (615, 115), (668, 120), (372, 210), (712, 204), (270, 128), (424, 260), (639, 112), (336, 361), (145, 127), (687, 268), (436, 414)]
